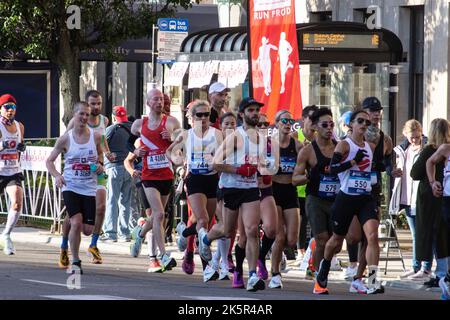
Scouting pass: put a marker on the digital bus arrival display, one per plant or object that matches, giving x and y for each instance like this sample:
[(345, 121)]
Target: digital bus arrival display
[(323, 41)]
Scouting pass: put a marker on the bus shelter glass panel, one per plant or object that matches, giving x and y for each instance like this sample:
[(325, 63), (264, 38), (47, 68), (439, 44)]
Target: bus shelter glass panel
[(342, 87)]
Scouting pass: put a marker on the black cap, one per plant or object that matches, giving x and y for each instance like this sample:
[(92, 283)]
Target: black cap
[(247, 102), (372, 103)]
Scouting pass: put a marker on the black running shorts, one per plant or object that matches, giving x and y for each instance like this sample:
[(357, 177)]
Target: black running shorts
[(219, 194), (200, 183), (233, 198), (14, 180), (285, 195), (163, 186), (265, 192), (346, 206), (78, 203)]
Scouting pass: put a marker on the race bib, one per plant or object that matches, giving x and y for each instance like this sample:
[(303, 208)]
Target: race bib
[(287, 164), (157, 161), (81, 170), (9, 160), (199, 165), (359, 182), (373, 178), (329, 186)]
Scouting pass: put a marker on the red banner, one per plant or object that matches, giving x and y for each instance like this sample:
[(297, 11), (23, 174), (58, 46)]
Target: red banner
[(274, 56)]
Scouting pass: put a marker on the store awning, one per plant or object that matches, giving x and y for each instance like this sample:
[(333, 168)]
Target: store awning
[(232, 43)]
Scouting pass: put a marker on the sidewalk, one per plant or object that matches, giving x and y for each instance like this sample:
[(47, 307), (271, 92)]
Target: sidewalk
[(391, 279)]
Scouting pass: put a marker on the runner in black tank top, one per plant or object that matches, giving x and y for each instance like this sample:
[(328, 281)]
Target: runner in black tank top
[(285, 195)]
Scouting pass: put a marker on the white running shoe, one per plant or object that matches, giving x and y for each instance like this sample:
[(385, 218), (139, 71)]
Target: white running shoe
[(358, 286), (181, 241), (8, 247), (275, 282), (350, 272), (223, 274), (421, 275), (203, 249), (407, 274), (375, 289), (209, 274), (255, 284), (445, 287)]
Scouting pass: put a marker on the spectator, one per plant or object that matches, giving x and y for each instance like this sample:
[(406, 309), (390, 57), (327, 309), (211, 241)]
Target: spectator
[(404, 193), (431, 231), (118, 200)]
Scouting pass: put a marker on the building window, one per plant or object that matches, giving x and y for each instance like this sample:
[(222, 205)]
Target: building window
[(321, 16)]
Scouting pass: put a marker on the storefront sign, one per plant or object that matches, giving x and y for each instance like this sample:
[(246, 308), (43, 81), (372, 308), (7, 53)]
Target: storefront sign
[(275, 71), (176, 74), (34, 159)]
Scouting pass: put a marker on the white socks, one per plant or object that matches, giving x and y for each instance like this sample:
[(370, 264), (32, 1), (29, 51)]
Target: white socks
[(13, 217)]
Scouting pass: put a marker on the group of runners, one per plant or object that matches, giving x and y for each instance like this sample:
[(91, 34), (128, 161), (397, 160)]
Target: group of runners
[(239, 181)]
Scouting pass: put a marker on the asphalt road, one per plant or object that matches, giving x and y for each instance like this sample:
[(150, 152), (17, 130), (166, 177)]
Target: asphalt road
[(33, 274)]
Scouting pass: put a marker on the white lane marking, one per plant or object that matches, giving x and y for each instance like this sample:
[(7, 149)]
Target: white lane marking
[(217, 298), (49, 283), (86, 297)]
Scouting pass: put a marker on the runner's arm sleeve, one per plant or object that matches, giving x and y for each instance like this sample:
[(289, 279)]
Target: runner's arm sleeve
[(336, 166)]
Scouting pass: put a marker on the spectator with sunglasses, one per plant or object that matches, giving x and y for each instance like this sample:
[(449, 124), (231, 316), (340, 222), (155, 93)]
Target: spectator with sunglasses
[(11, 177), (352, 161), (200, 143), (313, 170)]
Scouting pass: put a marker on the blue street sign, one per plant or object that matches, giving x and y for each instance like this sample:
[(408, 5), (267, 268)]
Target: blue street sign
[(173, 25)]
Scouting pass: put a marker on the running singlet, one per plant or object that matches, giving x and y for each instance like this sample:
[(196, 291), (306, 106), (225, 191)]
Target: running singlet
[(446, 185), (9, 158), (288, 158), (247, 154), (200, 151), (101, 127), (357, 179), (321, 183), (156, 165), (77, 166)]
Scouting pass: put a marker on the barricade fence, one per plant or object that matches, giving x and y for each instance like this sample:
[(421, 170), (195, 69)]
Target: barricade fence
[(42, 200)]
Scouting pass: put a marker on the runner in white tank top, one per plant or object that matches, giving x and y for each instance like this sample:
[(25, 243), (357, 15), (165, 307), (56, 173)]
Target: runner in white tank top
[(83, 150), (11, 144)]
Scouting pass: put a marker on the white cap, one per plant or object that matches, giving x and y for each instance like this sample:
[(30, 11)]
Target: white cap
[(217, 87)]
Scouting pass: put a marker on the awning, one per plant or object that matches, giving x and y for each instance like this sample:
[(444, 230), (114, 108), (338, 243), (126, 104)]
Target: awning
[(231, 43)]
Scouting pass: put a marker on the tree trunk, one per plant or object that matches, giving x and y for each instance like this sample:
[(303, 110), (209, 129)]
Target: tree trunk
[(69, 66)]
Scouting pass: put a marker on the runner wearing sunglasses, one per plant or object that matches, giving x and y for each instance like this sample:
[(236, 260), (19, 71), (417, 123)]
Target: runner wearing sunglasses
[(285, 194), (200, 143), (11, 177), (313, 170), (352, 161)]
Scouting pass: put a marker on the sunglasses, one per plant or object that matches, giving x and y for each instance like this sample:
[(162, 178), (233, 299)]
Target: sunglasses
[(263, 124), (327, 124), (202, 114), (286, 121), (361, 121), (8, 106)]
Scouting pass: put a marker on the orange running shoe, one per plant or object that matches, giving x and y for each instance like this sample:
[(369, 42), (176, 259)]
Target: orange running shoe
[(318, 289)]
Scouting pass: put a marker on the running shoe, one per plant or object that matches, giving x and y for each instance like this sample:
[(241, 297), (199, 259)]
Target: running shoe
[(322, 276), (231, 265), (445, 287), (136, 242), (421, 275), (350, 273), (262, 270), (8, 247), (168, 262), (318, 289), (432, 283), (95, 253), (188, 264), (275, 282), (408, 274), (238, 281), (181, 241), (203, 249), (154, 266), (209, 274), (223, 274), (63, 259), (378, 288), (76, 268), (255, 283), (358, 286)]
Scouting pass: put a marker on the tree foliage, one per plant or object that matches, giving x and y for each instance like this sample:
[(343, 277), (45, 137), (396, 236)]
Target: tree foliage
[(39, 28)]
